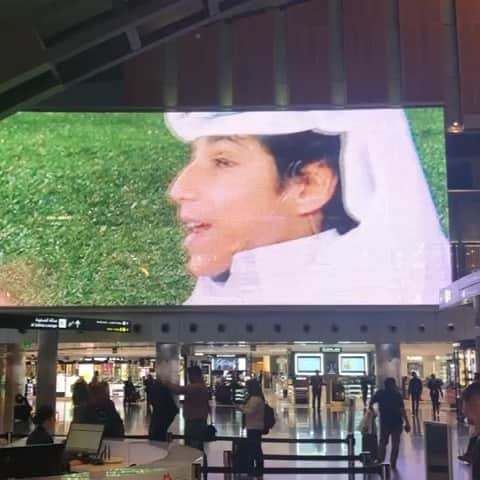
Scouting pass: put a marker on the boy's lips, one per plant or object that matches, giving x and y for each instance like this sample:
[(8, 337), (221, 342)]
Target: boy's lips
[(196, 229)]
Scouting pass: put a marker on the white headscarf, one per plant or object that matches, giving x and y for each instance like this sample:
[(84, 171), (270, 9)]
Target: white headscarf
[(383, 187)]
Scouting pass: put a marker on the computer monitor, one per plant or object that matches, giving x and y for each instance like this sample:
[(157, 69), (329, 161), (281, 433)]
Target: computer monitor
[(84, 439), (31, 461)]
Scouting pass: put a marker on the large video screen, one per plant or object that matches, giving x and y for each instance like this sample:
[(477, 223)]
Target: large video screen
[(234, 208)]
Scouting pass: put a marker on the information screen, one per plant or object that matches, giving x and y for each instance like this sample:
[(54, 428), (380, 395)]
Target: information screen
[(351, 364), (232, 208), (308, 364)]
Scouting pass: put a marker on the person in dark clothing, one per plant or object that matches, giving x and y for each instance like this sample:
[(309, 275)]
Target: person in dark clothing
[(164, 411), (392, 418), (435, 386), (129, 391), (415, 388), (21, 415), (44, 420), (364, 386), (80, 392), (474, 436), (471, 410), (95, 379), (316, 383), (148, 383), (100, 409), (80, 396), (22, 409)]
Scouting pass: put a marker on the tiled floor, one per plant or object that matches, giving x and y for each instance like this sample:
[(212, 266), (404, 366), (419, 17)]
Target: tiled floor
[(300, 422)]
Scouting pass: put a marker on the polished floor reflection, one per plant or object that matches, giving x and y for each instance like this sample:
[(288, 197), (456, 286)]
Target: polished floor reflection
[(301, 422)]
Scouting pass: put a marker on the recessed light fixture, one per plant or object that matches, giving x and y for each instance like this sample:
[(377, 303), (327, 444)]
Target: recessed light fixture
[(455, 127)]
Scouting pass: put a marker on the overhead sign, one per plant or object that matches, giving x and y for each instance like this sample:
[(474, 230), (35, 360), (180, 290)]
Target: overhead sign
[(49, 322), (331, 349), (460, 292)]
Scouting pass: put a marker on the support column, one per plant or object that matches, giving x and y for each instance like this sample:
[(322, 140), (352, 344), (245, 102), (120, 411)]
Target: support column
[(477, 355), (168, 361), (47, 368), (12, 382), (388, 363)]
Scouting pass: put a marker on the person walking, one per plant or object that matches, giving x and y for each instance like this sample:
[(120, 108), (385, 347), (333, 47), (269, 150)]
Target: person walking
[(80, 397), (316, 383), (435, 386), (471, 410), (254, 411), (148, 383), (364, 386), (129, 392), (164, 411), (392, 419), (195, 406), (415, 388), (101, 409)]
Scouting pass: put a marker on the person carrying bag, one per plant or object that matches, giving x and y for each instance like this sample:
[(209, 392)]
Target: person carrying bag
[(368, 428), (250, 454)]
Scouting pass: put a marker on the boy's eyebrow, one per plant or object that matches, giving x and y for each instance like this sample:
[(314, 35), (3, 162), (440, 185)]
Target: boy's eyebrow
[(236, 139)]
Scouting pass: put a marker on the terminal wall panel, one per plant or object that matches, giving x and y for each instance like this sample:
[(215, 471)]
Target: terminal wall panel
[(197, 65), (253, 60), (365, 36), (468, 39), (307, 53), (422, 55)]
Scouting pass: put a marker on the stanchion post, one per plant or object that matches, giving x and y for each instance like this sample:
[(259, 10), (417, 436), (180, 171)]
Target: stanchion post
[(205, 466), (196, 471), (227, 462), (351, 453), (385, 471)]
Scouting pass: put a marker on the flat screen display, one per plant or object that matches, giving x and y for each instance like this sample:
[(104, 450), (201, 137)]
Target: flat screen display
[(352, 364), (229, 363), (308, 364), (234, 208)]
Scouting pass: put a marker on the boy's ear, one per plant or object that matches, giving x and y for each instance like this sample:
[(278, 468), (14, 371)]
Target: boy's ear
[(314, 187)]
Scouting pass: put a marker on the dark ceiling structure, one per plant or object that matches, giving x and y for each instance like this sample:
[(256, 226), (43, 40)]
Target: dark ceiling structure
[(49, 45)]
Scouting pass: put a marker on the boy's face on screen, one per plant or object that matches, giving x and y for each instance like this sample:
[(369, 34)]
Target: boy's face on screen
[(229, 199)]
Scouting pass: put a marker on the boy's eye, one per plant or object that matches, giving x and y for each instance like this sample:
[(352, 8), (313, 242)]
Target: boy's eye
[(223, 162)]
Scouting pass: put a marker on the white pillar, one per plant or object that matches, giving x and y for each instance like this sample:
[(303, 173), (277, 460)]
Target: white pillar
[(12, 382), (388, 363), (168, 361)]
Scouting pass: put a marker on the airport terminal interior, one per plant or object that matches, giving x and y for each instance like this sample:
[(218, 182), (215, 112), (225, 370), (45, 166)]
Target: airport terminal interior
[(240, 239)]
